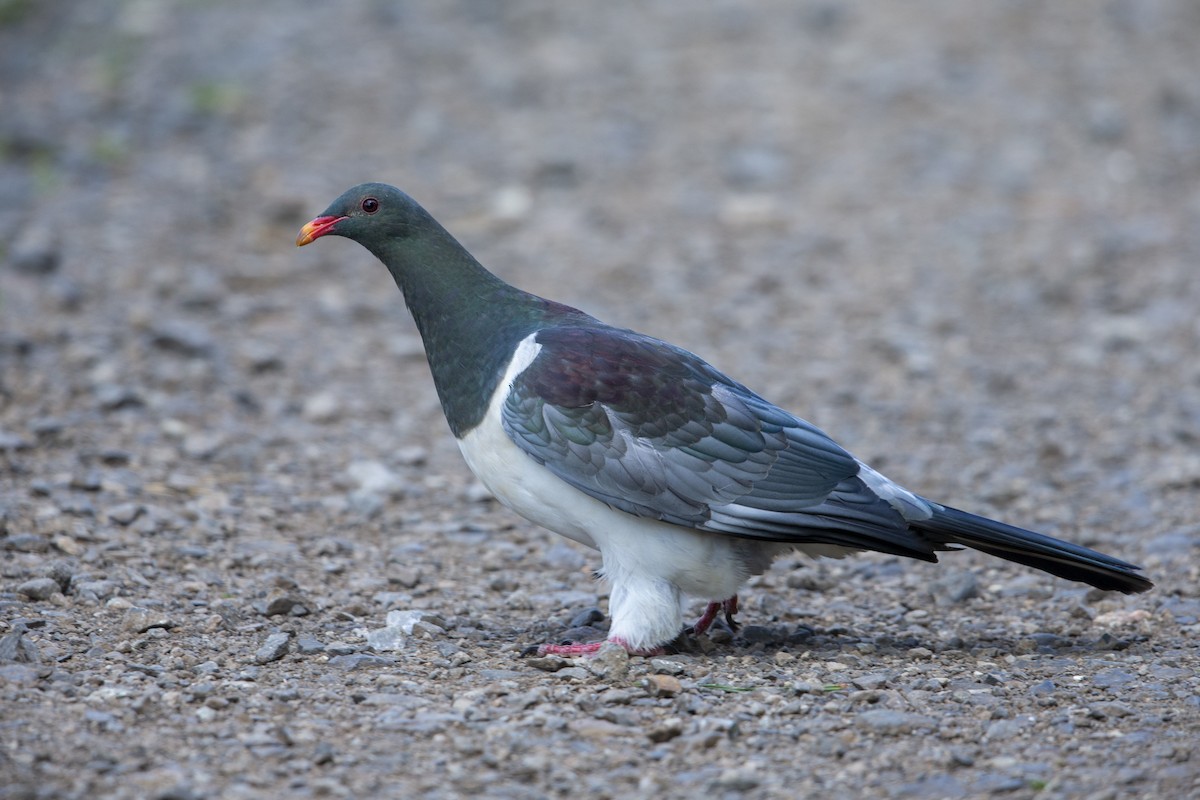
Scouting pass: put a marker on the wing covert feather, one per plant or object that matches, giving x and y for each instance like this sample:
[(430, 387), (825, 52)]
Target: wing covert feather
[(655, 431)]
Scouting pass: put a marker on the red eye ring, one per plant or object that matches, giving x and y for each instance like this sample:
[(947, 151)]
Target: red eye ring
[(370, 205)]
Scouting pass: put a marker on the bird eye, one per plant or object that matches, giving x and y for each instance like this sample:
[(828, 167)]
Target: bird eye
[(370, 205)]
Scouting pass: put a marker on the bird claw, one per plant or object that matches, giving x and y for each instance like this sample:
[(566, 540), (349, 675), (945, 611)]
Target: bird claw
[(729, 606), (731, 609)]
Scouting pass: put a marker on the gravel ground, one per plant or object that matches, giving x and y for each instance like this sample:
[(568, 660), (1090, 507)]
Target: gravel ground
[(241, 556)]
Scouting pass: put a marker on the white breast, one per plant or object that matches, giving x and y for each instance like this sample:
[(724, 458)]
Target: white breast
[(694, 560), (515, 479)]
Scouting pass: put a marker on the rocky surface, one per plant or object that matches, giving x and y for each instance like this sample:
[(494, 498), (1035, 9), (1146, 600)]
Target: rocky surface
[(240, 556)]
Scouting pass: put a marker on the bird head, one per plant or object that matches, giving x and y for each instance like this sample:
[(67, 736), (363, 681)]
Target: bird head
[(368, 212)]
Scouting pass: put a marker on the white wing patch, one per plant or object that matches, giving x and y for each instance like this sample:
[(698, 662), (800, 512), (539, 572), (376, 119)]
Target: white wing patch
[(907, 504)]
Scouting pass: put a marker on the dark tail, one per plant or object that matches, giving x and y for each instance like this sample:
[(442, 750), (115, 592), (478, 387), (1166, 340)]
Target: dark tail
[(1066, 560)]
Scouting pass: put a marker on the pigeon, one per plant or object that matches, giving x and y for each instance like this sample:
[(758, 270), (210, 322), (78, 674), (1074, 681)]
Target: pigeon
[(686, 481)]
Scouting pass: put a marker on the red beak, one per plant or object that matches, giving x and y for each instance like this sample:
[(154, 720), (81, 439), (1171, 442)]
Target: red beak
[(317, 228)]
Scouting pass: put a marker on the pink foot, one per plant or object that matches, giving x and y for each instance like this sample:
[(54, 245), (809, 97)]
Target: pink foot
[(591, 648), (706, 619), (730, 607), (731, 610)]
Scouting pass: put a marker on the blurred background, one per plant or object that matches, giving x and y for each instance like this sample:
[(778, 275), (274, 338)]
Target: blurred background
[(964, 238), (894, 220)]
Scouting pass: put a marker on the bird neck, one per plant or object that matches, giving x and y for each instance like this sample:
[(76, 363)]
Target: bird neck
[(470, 321)]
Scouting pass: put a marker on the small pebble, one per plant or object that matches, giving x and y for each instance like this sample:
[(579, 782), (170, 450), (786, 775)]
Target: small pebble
[(357, 661), (894, 723), (662, 685), (185, 338), (548, 663), (391, 638), (589, 616), (283, 601), (321, 408), (13, 442), (273, 649), (307, 645), (26, 543), (954, 588), (666, 730), (740, 779), (140, 620), (667, 666), (16, 647), (875, 680), (125, 513), (39, 588), (611, 662), (95, 590), (36, 250), (590, 728), (374, 477), (111, 397)]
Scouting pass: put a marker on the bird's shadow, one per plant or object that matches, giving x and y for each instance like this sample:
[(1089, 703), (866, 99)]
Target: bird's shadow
[(768, 640)]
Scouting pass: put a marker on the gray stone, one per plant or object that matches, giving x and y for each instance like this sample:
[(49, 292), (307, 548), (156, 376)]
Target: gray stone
[(406, 576), (888, 722), (273, 649), (62, 573), (95, 590), (954, 587), (19, 674), (573, 673), (125, 513), (36, 250), (389, 599), (1006, 728), (875, 680), (1114, 678), (16, 647), (153, 670), (585, 618), (283, 601), (322, 408), (202, 444), (759, 634), (412, 620), (357, 661), (307, 645), (739, 779), (11, 441), (548, 663), (26, 543), (87, 480), (374, 477), (112, 397), (39, 588), (611, 662), (140, 620), (386, 639), (185, 338)]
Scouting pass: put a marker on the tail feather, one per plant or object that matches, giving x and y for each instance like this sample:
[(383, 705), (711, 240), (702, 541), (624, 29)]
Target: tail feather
[(1066, 560)]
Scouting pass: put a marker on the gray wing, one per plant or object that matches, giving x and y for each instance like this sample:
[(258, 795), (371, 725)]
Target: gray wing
[(655, 431)]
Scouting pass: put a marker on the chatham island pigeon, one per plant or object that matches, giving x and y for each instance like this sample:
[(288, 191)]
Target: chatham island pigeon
[(686, 481)]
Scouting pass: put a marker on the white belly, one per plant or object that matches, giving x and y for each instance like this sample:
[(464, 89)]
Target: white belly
[(704, 564)]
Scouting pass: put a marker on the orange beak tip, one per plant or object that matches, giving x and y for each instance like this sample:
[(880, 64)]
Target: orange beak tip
[(316, 229)]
